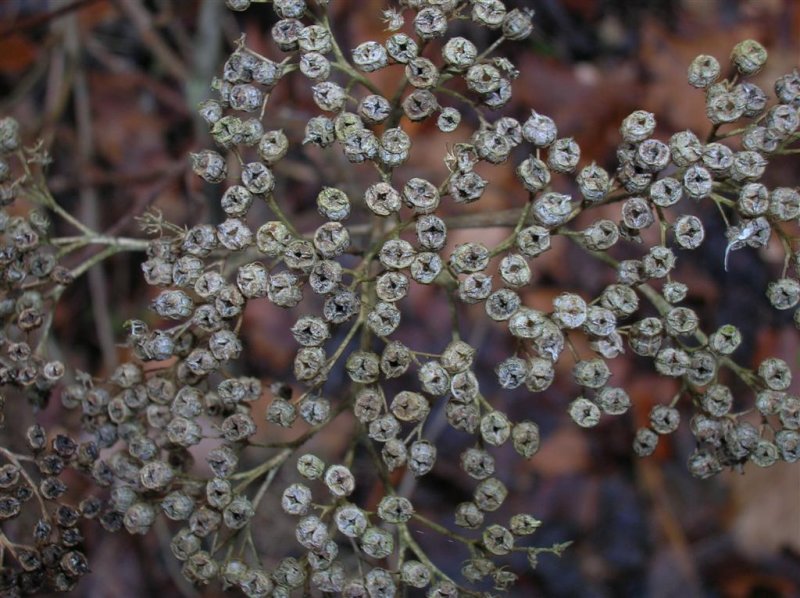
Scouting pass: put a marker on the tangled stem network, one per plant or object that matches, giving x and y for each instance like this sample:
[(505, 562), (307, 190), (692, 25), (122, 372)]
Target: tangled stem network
[(182, 434)]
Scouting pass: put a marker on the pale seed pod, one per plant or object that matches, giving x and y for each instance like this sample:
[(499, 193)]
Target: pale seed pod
[(421, 457), (703, 71), (490, 494), (384, 318), (613, 401), (209, 165), (315, 66), (477, 463), (420, 104), (401, 48), (495, 428), (377, 543), (468, 515), (518, 24), (421, 196), (350, 520), (593, 182), (434, 378), (645, 442), (584, 412), (525, 438), (665, 192), (459, 53), (524, 524), (374, 109), (430, 22), (748, 56), (534, 174), (489, 13), (512, 372), (498, 540), (638, 126), (664, 419), (370, 56), (395, 509), (385, 429), (775, 373), (717, 400)]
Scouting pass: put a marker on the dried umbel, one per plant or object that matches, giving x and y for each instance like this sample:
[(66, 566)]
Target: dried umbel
[(345, 283)]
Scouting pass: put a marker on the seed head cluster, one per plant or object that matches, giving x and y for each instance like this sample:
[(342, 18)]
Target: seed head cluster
[(182, 434)]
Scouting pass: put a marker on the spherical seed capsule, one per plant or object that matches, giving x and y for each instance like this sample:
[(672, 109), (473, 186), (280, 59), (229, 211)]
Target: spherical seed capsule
[(395, 359), (525, 438), (315, 38), (383, 319), (489, 13), (459, 53), (331, 239), (395, 509), (534, 174), (563, 155), (638, 126), (415, 574), (310, 331), (645, 442), (664, 419), (601, 235), (315, 66), (370, 56), (697, 182), (421, 73), (319, 131), (466, 187), (374, 109), (748, 56), (775, 373), (533, 241), (350, 520), (396, 254), (755, 99), (401, 48), (420, 104), (512, 372), (448, 120), (591, 373), (468, 515), (703, 71), (430, 22), (234, 234), (703, 464), (552, 209), (421, 195), (689, 231), (514, 270), (421, 457), (784, 293), (391, 286), (569, 310), (483, 78), (209, 165), (434, 379), (498, 540), (9, 135), (539, 130), (787, 88), (723, 105), (363, 367), (518, 24), (593, 182), (495, 428), (784, 204), (377, 543)]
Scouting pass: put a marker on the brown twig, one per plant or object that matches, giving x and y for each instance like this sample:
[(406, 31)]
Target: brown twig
[(143, 23)]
